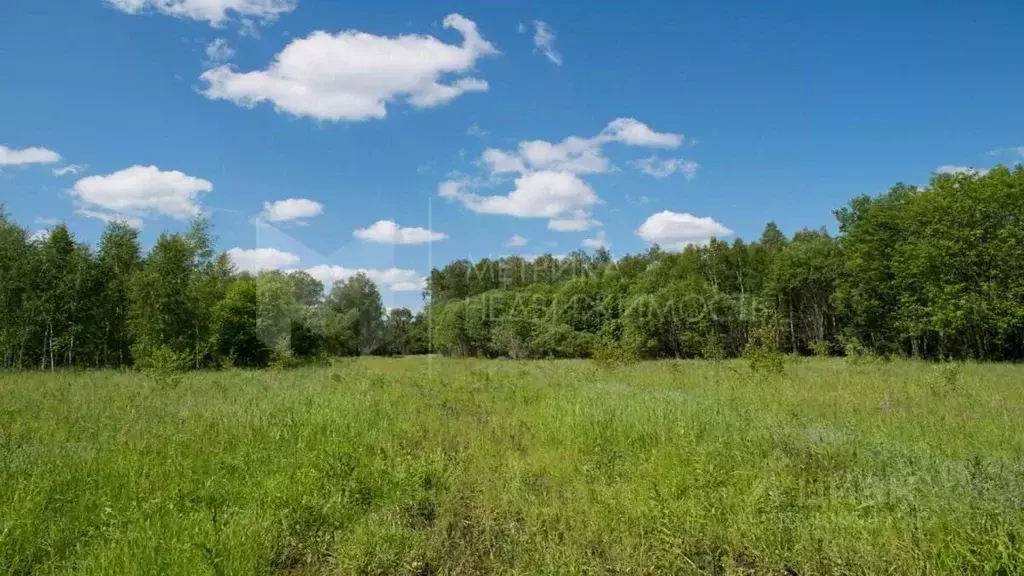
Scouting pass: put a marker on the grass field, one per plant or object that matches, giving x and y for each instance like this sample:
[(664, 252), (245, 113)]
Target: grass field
[(417, 466)]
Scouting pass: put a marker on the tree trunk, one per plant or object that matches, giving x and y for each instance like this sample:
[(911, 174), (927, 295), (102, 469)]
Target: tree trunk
[(46, 337), (792, 328)]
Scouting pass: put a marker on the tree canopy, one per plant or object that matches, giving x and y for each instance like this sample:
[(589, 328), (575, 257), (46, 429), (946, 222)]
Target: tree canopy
[(930, 272)]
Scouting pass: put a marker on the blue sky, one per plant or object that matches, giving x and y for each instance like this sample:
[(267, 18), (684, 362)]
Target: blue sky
[(683, 120)]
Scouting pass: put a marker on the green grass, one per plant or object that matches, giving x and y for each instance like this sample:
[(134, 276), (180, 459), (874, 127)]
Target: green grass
[(417, 466)]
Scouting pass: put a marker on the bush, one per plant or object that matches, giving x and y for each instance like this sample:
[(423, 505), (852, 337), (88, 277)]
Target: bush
[(609, 352), (853, 349), (763, 355), (561, 341), (163, 360), (946, 378)]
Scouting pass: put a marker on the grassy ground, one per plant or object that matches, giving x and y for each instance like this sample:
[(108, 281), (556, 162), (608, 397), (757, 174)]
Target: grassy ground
[(410, 466)]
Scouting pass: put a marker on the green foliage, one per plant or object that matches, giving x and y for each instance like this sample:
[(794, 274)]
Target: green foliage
[(945, 378), (923, 272), (163, 362), (609, 352), (354, 317), (821, 348), (762, 354)]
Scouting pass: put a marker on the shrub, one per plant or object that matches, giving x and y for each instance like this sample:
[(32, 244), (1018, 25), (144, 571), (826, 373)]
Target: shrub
[(821, 348), (946, 378), (763, 355)]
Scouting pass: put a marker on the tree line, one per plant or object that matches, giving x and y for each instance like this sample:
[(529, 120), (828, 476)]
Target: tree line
[(932, 272), (180, 306)]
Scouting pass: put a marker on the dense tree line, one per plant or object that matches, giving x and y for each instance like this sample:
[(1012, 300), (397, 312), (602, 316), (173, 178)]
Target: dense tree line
[(179, 306), (933, 272), (928, 272)]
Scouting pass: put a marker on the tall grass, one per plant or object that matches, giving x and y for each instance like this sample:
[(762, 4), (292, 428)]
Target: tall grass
[(430, 466)]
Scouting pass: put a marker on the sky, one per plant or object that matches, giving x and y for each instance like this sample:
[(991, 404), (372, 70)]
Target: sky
[(392, 137)]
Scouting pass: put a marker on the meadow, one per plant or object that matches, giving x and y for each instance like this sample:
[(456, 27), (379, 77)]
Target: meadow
[(423, 465)]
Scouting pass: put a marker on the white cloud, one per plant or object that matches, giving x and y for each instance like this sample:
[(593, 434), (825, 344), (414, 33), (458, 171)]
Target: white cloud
[(598, 241), (664, 167), (257, 259), (1018, 150), (47, 221), (133, 221), (72, 169), (34, 155), (633, 132), (387, 232), (674, 231), (140, 191), (218, 52), (352, 75), (414, 286), (500, 162), (548, 183), (396, 279), (575, 153), (475, 130), (213, 11), (948, 169), (536, 195), (39, 236), (544, 41), (292, 209), (516, 240), (578, 221)]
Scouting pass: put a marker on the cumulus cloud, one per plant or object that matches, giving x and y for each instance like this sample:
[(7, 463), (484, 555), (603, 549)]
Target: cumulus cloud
[(72, 169), (500, 162), (140, 191), (577, 154), (542, 194), (218, 52), (633, 132), (395, 279), (352, 75), (387, 232), (544, 41), (475, 130), (674, 231), (257, 259), (216, 12), (34, 155), (598, 241), (290, 210), (548, 183), (516, 240), (574, 154), (949, 169), (665, 167)]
